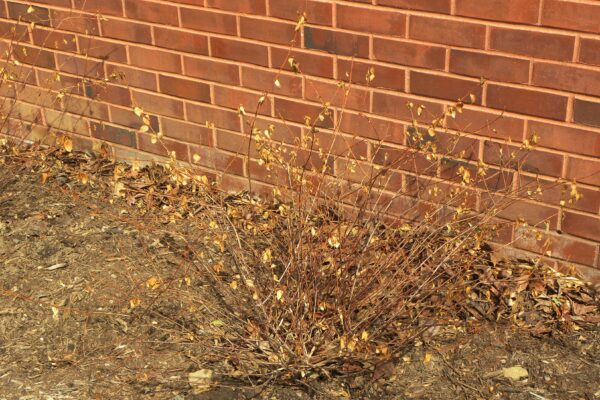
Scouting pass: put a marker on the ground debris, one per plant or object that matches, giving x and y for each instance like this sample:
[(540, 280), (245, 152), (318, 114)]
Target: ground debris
[(129, 317)]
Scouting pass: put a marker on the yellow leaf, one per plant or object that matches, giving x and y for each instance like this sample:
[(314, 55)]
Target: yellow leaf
[(68, 144), (144, 128), (153, 283), (427, 358), (301, 22), (30, 10), (138, 111), (279, 295), (196, 158), (267, 255), (83, 177), (370, 74), (277, 83), (133, 303)]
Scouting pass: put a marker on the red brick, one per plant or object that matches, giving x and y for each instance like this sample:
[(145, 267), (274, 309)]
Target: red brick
[(450, 32), (513, 11), (395, 106), (341, 145), (240, 6), (571, 15), (489, 66), (109, 7), (282, 132), (126, 30), (566, 138), (61, 3), (159, 105), (113, 134), (264, 80), (18, 11), (309, 63), (220, 161), (372, 128), (586, 112), (52, 39), (62, 121), (533, 161), (384, 22), (192, 2), (74, 22), (126, 117), (294, 111), (14, 31), (404, 159), (534, 44), (109, 93), (204, 114), (449, 144), (584, 171), (80, 66), (211, 70), (567, 78), (326, 92), (439, 6), (560, 246), (102, 49), (585, 226), (155, 59), (357, 71), (239, 51), (409, 53), (179, 40), (532, 213), (317, 12), (141, 10), (335, 42), (208, 21), (184, 88), (268, 31), (186, 132), (589, 53), (443, 87), (164, 147), (235, 143), (529, 102), (132, 76), (487, 124), (234, 98), (553, 192), (34, 56)]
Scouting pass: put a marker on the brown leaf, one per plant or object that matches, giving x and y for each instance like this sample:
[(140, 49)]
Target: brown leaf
[(384, 370), (581, 309)]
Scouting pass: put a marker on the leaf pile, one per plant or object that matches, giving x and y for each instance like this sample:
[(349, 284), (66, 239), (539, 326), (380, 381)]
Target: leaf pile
[(295, 293)]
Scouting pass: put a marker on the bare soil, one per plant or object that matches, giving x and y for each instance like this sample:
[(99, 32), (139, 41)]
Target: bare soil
[(81, 317)]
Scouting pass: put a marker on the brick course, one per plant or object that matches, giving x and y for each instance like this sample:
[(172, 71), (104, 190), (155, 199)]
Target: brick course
[(192, 63)]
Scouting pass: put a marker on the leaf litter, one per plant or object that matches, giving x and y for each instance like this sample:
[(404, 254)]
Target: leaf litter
[(104, 316)]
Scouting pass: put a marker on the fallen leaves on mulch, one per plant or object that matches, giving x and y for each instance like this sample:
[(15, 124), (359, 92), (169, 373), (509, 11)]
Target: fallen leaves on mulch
[(525, 292)]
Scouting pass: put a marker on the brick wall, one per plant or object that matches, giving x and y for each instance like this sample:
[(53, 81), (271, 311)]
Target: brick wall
[(192, 61)]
